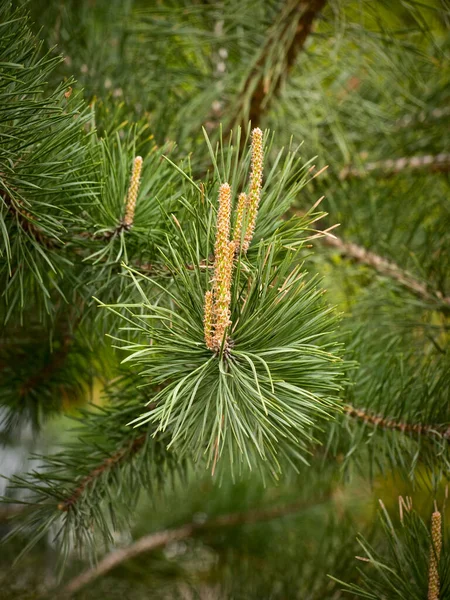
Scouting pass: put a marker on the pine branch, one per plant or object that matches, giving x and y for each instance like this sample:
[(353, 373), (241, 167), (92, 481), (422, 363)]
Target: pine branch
[(439, 163), (124, 453), (27, 222), (419, 429), (43, 368), (423, 117), (385, 267), (161, 539), (58, 359), (110, 561), (265, 83), (410, 563)]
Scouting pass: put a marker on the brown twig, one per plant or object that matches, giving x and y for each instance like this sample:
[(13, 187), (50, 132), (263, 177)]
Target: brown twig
[(107, 235), (115, 558), (439, 163), (434, 431), (161, 539), (385, 267), (264, 84)]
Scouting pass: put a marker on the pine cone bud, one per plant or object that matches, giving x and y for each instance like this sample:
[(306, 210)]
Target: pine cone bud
[(223, 222), (256, 175), (241, 208), (133, 192), (435, 554)]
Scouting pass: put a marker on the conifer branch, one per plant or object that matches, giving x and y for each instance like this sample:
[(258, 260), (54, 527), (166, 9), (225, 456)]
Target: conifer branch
[(27, 222), (129, 450), (423, 117), (265, 83), (154, 541), (439, 163), (57, 360), (432, 431), (385, 267), (110, 561)]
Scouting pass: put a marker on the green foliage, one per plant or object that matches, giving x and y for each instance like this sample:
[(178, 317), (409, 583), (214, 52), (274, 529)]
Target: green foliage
[(398, 378), (96, 478), (400, 569), (365, 92), (41, 378), (263, 399)]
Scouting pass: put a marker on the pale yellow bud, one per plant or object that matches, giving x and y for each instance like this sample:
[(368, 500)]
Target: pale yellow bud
[(256, 175), (223, 221), (133, 192), (240, 211), (435, 554), (222, 294)]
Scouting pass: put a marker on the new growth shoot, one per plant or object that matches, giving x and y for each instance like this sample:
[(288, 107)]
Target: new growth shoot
[(254, 195), (435, 554), (133, 192), (218, 300)]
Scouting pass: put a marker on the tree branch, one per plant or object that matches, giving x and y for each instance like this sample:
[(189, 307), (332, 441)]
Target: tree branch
[(423, 117), (27, 222), (439, 163), (160, 539), (387, 268), (433, 431), (125, 452), (263, 84), (57, 360)]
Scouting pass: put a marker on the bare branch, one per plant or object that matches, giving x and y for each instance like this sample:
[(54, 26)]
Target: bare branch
[(385, 267), (423, 117), (433, 431), (262, 83), (115, 558), (439, 163), (160, 539)]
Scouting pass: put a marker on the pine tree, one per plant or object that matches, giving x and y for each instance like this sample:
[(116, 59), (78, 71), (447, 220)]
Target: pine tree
[(216, 381)]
